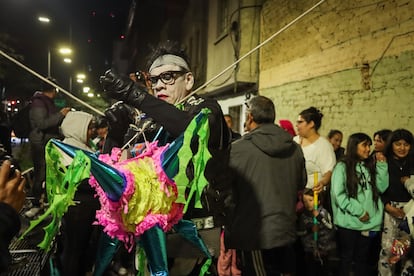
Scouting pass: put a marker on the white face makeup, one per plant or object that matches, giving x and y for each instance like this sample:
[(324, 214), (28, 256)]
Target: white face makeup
[(170, 83)]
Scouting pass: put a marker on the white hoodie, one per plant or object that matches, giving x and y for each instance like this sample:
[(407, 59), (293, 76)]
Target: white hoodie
[(75, 129)]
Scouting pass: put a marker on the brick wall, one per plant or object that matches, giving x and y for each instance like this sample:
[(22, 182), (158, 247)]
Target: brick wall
[(352, 59)]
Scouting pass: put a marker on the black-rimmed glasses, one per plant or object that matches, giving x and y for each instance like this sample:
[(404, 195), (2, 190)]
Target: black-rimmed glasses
[(167, 77)]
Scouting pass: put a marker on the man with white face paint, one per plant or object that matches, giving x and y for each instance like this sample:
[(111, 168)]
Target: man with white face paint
[(171, 78), (172, 81)]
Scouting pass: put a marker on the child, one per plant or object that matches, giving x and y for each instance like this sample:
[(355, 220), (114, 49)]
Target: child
[(316, 250), (356, 184), (77, 245)]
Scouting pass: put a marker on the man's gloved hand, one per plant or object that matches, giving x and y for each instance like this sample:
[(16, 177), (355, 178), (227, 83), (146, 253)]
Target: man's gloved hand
[(119, 116), (123, 89)]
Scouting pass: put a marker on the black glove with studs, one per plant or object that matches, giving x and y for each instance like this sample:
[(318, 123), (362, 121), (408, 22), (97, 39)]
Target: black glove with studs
[(123, 89), (119, 117)]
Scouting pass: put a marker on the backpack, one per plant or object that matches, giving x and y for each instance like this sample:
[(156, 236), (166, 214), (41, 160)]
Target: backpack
[(20, 122)]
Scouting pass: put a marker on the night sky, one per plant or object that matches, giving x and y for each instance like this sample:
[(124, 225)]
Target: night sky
[(90, 25)]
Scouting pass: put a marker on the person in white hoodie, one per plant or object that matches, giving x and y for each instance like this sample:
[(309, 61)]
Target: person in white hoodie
[(77, 245), (78, 128)]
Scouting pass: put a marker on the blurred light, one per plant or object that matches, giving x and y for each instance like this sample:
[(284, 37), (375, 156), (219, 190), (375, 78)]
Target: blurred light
[(67, 60), (86, 89), (90, 95), (81, 76), (122, 37), (8, 104), (18, 101), (98, 95), (111, 14), (79, 80), (43, 19), (65, 51), (9, 109), (13, 102), (16, 109)]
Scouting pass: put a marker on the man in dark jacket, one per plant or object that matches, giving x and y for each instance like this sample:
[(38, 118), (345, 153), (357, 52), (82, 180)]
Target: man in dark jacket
[(45, 119), (172, 108), (172, 81), (11, 202), (269, 171)]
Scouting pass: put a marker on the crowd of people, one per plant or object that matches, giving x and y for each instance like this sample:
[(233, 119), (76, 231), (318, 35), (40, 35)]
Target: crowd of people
[(286, 202)]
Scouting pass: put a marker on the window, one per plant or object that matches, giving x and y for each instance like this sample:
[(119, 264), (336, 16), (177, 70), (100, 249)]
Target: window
[(235, 112), (222, 17)]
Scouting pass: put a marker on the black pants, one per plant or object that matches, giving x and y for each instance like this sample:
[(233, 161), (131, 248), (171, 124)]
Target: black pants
[(39, 166), (78, 242), (354, 252), (269, 262)]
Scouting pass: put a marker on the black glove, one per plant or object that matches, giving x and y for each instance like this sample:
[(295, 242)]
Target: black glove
[(123, 89), (119, 116)]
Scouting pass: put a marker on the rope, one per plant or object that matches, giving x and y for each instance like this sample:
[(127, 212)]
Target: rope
[(67, 93), (193, 92), (252, 51)]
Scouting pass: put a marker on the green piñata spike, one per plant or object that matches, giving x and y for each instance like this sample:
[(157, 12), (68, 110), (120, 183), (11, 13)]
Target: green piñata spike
[(61, 186), (198, 126)]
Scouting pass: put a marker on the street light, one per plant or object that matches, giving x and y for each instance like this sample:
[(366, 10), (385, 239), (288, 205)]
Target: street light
[(80, 78), (46, 20), (65, 51), (43, 19)]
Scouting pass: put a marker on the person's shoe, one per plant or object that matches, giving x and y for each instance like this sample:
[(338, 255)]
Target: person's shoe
[(32, 212), (122, 271)]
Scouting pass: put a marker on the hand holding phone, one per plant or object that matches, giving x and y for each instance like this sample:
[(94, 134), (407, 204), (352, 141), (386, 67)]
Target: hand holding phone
[(11, 186)]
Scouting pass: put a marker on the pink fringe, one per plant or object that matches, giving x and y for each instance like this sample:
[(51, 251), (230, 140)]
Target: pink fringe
[(110, 214)]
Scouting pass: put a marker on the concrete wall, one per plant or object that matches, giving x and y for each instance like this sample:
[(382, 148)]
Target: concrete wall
[(351, 59)]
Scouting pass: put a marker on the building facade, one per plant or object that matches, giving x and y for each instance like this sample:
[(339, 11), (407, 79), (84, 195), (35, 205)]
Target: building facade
[(351, 59)]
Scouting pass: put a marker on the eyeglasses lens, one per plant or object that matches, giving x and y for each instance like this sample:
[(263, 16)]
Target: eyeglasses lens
[(166, 77)]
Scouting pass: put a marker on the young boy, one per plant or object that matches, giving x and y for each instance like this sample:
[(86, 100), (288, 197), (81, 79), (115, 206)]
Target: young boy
[(316, 250)]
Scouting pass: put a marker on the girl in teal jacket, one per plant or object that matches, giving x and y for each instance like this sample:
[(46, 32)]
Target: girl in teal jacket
[(356, 184)]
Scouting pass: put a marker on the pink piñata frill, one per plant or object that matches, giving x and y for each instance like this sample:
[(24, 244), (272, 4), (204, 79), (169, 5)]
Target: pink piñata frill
[(148, 199)]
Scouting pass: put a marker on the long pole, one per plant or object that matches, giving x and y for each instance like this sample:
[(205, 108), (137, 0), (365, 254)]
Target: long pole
[(315, 208), (199, 88), (48, 62), (64, 91)]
